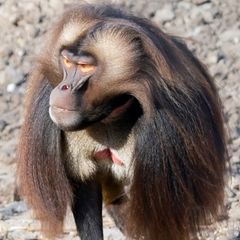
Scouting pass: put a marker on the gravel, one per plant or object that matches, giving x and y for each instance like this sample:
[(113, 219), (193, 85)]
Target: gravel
[(211, 28)]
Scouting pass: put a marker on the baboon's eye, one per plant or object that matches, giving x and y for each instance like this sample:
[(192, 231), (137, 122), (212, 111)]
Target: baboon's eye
[(86, 68), (84, 63), (67, 62)]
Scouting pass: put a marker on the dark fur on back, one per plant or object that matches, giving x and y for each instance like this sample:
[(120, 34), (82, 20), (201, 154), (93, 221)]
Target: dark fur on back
[(180, 155), (180, 152)]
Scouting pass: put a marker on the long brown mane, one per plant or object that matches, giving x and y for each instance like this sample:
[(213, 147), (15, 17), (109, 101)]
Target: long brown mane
[(180, 154)]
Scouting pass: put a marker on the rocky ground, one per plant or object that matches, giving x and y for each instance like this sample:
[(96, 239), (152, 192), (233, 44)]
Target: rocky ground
[(211, 28)]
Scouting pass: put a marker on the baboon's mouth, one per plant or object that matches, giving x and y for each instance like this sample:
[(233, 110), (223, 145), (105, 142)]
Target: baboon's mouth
[(76, 119), (119, 106)]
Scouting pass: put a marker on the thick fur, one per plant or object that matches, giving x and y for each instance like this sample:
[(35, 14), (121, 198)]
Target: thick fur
[(178, 159)]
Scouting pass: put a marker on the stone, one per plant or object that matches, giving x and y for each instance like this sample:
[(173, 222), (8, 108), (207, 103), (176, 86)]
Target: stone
[(3, 124), (231, 34), (11, 87), (164, 14), (13, 209)]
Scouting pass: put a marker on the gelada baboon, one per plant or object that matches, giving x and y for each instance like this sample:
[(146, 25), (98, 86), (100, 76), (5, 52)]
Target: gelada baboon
[(119, 112)]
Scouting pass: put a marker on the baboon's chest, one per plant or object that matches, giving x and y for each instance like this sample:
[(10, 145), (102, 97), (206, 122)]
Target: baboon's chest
[(100, 150)]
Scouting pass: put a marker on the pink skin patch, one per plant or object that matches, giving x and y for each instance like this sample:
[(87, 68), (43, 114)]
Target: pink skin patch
[(107, 154)]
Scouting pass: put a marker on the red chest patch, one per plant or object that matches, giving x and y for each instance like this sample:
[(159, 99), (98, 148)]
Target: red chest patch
[(107, 154)]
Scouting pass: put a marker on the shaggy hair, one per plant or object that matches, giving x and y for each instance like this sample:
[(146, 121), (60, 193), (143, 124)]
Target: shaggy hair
[(179, 156)]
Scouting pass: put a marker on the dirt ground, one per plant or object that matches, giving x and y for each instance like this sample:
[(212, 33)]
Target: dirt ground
[(211, 28)]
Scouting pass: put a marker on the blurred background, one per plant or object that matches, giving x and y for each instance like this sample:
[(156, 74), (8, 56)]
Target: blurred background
[(211, 29)]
